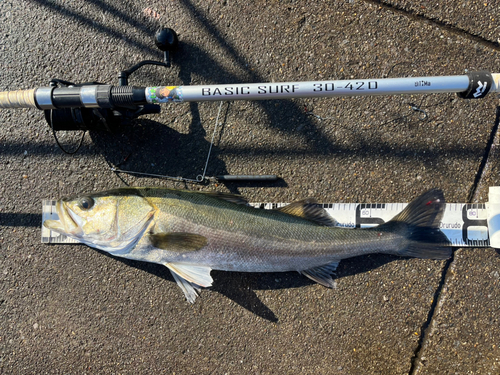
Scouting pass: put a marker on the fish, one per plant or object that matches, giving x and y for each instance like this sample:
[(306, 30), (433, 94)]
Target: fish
[(193, 233)]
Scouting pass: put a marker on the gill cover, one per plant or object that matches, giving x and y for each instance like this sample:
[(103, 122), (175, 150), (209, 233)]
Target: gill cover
[(112, 221)]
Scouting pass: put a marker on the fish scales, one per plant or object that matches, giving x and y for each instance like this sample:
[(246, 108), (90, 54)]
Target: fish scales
[(252, 240)]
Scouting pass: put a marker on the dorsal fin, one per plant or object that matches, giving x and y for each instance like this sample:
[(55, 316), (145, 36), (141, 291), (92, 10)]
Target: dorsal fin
[(309, 209), (233, 198)]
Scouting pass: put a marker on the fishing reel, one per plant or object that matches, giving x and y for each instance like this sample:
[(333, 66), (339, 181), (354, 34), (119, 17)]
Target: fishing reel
[(103, 107)]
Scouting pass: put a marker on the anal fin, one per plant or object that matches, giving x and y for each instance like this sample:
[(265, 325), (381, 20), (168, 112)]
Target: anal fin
[(323, 274), (190, 278), (190, 290)]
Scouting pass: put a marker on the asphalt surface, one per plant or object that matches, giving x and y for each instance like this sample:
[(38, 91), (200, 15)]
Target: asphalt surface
[(71, 309)]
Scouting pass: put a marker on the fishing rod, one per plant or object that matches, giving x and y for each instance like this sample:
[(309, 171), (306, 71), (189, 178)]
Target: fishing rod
[(95, 106), (473, 85), (60, 97)]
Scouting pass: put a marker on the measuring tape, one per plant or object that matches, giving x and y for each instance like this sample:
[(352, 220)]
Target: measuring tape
[(465, 224)]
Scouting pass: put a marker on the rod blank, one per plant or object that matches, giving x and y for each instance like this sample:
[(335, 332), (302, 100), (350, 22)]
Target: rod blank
[(474, 85)]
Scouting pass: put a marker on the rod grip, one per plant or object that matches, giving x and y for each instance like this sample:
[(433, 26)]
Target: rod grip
[(18, 99)]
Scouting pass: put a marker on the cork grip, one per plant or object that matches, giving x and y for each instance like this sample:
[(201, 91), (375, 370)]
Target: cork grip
[(18, 99)]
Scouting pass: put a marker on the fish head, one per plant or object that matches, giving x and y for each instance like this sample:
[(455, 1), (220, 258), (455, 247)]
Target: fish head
[(112, 221)]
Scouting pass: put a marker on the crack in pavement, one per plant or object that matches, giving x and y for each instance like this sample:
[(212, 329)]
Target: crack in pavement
[(436, 300), (437, 22), (492, 152)]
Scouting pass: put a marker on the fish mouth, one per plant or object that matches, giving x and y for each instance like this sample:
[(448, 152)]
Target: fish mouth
[(69, 223)]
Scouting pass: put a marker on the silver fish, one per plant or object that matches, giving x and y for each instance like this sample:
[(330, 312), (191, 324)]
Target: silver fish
[(192, 233)]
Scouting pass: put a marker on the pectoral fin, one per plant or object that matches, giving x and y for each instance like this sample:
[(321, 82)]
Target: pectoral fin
[(322, 275), (178, 241), (190, 278)]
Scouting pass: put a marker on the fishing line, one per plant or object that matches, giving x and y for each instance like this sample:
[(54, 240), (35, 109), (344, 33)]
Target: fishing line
[(51, 124), (201, 178), (416, 108)]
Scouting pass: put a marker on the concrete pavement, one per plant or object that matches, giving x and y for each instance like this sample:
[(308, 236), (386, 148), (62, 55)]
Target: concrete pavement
[(71, 309)]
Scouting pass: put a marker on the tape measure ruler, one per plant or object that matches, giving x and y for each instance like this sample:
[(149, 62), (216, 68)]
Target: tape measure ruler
[(465, 224)]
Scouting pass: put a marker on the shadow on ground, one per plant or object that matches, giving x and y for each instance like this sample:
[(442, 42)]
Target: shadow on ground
[(240, 287)]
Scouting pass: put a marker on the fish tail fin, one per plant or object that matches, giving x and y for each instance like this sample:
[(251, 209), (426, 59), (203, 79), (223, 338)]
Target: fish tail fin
[(420, 222)]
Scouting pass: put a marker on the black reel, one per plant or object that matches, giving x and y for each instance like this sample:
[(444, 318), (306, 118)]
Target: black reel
[(110, 119)]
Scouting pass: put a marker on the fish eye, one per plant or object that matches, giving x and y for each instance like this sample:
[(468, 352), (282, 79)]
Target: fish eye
[(85, 203)]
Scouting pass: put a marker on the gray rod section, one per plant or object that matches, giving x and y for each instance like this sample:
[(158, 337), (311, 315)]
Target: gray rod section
[(308, 89)]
